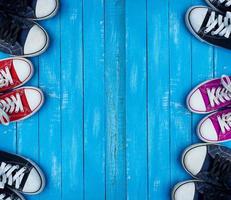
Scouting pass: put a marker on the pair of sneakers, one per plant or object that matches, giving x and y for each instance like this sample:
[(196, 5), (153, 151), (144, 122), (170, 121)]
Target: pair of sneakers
[(19, 34), (211, 24), (214, 97), (19, 175), (210, 165), (17, 104)]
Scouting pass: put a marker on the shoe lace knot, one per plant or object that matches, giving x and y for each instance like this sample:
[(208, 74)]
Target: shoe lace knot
[(221, 94), (219, 25), (11, 175), (9, 105)]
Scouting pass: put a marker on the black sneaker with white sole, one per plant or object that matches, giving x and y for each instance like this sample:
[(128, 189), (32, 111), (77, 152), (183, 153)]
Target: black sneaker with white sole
[(210, 163), (221, 5), (8, 194), (31, 9), (21, 37), (198, 190), (20, 174), (210, 26)]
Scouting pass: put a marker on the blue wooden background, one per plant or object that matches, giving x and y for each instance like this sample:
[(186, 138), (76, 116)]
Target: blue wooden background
[(115, 78)]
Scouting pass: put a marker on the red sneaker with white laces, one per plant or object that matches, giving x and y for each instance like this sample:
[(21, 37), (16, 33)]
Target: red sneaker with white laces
[(20, 104), (14, 72)]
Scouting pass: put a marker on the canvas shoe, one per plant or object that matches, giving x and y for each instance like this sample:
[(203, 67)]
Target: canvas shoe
[(21, 37), (31, 9), (14, 72), (221, 5), (210, 163), (198, 190), (21, 174), (20, 104), (8, 194), (216, 127), (210, 26), (210, 95)]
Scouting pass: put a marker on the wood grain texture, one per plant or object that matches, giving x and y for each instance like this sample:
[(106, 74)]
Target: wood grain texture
[(115, 78)]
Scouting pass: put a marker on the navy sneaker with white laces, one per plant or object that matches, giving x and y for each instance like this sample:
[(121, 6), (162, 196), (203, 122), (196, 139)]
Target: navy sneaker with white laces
[(198, 190), (8, 194), (20, 174), (210, 26), (31, 9), (21, 37), (221, 5)]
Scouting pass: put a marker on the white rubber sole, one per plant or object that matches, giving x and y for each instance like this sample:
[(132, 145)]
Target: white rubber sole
[(52, 14), (185, 152), (177, 186), (43, 49)]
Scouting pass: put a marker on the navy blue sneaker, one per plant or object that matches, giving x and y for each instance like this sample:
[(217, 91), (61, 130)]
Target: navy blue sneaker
[(197, 190), (221, 5), (21, 37), (210, 163), (31, 9), (8, 194)]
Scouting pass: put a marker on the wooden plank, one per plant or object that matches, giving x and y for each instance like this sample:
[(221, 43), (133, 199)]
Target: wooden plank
[(180, 81), (94, 120), (115, 99), (50, 147), (136, 99), (158, 100), (72, 100)]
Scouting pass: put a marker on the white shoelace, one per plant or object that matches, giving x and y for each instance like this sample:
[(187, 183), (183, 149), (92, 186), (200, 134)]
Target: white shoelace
[(227, 4), (221, 94), (6, 171), (3, 197), (225, 122), (5, 77), (224, 24), (9, 105)]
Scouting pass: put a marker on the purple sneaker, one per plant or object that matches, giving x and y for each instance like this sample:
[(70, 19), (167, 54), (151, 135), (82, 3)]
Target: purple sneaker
[(210, 95), (216, 127)]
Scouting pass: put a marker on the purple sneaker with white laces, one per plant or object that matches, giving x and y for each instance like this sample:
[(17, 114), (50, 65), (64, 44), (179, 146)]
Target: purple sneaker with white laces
[(216, 127), (210, 96)]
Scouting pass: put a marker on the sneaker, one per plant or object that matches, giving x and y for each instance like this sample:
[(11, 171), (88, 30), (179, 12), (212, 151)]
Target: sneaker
[(210, 26), (221, 5), (31, 9), (210, 163), (198, 190), (21, 37), (21, 174), (20, 104), (14, 72), (216, 127), (210, 96), (8, 194)]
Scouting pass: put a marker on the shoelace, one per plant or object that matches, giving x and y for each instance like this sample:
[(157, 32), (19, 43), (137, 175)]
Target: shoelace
[(224, 122), (5, 77), (220, 94), (3, 197), (11, 174), (219, 25), (9, 105), (227, 4)]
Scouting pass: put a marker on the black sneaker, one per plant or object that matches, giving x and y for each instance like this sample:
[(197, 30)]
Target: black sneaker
[(20, 174), (210, 163), (197, 190), (21, 37), (8, 194), (31, 9), (221, 5), (210, 26)]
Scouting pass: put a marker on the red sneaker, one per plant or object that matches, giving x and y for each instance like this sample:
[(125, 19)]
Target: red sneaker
[(14, 72), (20, 104)]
